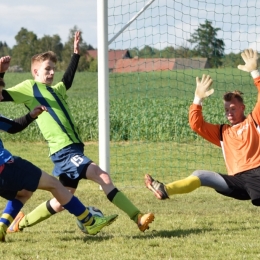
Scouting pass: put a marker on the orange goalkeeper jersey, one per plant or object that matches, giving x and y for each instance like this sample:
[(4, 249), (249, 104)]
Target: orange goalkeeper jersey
[(241, 142)]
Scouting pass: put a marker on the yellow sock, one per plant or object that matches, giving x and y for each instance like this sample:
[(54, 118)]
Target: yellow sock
[(123, 203), (36, 216), (183, 186), (3, 227), (84, 218)]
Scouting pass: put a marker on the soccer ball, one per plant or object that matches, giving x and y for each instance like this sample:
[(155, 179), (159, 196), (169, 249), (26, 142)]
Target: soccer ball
[(95, 212)]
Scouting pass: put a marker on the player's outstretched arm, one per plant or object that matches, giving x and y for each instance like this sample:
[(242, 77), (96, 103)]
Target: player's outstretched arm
[(203, 88), (69, 74), (76, 42), (19, 124), (4, 63), (37, 111), (250, 58)]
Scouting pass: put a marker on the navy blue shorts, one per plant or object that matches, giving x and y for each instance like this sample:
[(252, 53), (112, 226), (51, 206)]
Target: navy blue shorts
[(18, 174), (244, 185), (70, 165)]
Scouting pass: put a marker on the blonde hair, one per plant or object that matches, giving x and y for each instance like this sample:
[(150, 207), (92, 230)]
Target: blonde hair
[(48, 55)]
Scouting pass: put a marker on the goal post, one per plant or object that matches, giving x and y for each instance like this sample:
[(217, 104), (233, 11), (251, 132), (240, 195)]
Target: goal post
[(103, 85), (103, 81)]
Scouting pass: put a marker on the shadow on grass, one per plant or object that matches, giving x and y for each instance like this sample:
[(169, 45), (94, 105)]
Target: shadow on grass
[(175, 233), (80, 236), (150, 234)]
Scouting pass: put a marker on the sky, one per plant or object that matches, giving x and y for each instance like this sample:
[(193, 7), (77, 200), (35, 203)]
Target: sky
[(164, 23)]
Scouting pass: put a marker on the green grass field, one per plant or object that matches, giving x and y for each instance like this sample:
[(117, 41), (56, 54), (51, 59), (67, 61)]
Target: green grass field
[(149, 134), (199, 225)]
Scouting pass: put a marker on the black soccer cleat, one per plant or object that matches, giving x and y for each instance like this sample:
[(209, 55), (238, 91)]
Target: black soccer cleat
[(156, 187)]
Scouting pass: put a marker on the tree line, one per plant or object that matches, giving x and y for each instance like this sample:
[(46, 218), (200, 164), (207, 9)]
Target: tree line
[(28, 44), (204, 43)]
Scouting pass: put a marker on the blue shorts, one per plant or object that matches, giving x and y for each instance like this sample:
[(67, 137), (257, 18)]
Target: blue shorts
[(18, 174), (70, 164)]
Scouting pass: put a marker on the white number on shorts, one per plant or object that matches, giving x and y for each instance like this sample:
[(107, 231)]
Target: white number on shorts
[(76, 160)]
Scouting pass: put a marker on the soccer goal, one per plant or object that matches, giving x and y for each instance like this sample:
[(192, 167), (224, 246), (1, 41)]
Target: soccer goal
[(149, 54)]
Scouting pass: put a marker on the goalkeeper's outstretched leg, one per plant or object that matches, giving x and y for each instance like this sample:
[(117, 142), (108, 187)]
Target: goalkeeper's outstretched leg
[(197, 179)]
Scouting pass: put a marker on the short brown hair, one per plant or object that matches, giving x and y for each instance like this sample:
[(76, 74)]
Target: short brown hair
[(2, 83), (48, 55), (228, 96), (40, 57)]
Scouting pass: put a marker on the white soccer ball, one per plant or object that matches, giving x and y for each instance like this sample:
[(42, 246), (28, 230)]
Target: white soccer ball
[(95, 212)]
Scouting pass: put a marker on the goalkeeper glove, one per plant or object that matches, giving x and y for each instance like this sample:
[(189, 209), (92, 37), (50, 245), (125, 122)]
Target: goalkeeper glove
[(202, 90), (250, 58)]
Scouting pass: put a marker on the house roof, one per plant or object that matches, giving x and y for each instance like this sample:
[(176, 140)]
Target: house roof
[(191, 63), (157, 64), (113, 56), (139, 65), (120, 61)]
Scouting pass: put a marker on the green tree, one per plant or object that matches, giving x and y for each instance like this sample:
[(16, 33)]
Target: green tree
[(51, 43), (26, 45), (232, 60), (168, 52), (93, 65), (148, 52), (207, 44), (134, 52), (68, 50), (183, 52), (4, 49)]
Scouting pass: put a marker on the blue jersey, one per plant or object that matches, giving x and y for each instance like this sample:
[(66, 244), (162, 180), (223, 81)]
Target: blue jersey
[(12, 127), (5, 155)]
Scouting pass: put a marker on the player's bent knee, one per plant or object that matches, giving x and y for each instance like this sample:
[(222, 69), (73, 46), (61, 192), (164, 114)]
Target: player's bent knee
[(198, 173), (48, 182), (24, 195), (106, 177)]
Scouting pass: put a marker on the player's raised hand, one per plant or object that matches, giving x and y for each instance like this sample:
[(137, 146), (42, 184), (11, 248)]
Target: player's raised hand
[(76, 42), (250, 58), (4, 63), (203, 85), (37, 111)]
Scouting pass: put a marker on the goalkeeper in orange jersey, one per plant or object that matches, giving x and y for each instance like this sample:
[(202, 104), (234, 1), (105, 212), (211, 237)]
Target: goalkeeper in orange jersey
[(239, 140)]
